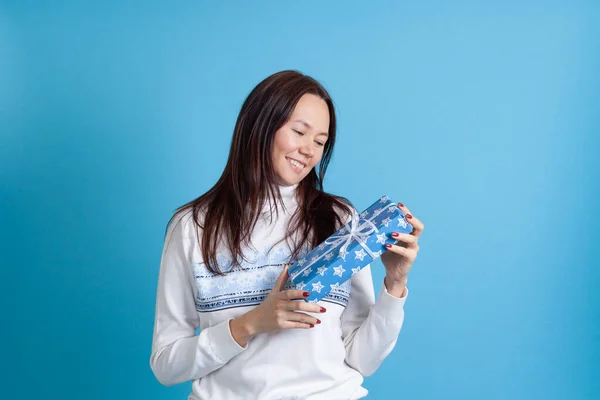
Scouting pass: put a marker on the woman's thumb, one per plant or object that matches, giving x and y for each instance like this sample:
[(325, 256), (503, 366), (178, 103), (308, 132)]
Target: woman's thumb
[(280, 284)]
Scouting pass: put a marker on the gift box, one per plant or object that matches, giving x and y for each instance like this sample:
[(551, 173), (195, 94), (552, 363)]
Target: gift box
[(351, 248)]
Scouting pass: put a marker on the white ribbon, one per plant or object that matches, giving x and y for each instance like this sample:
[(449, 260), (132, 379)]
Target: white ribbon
[(358, 228)]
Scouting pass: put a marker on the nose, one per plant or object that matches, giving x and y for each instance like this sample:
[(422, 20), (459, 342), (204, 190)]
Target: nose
[(307, 150)]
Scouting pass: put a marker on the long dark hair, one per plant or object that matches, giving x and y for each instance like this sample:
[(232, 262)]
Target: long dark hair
[(233, 205)]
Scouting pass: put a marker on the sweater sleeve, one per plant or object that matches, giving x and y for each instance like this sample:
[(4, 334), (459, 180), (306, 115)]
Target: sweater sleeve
[(178, 354), (370, 328)]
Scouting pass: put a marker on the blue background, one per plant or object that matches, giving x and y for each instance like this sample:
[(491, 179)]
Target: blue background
[(482, 117)]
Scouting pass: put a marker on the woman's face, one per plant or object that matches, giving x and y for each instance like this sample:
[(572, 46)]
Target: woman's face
[(299, 143)]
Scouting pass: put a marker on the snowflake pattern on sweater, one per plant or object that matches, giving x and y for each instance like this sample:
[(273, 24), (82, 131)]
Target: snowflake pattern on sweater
[(250, 284)]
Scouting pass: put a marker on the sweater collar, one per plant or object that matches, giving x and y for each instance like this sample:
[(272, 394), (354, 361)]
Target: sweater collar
[(288, 192), (288, 199)]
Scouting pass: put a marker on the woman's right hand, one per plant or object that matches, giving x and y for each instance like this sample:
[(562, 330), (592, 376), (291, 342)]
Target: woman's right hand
[(278, 311)]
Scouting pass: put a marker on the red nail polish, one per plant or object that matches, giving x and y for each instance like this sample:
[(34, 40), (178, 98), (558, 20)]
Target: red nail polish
[(305, 294), (401, 205), (408, 216), (395, 234), (323, 309), (318, 321), (389, 246), (312, 326)]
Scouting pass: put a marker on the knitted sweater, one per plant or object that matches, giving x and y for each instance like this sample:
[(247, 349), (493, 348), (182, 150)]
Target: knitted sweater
[(325, 362)]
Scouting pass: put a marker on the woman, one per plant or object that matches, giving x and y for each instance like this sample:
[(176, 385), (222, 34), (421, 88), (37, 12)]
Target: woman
[(224, 267)]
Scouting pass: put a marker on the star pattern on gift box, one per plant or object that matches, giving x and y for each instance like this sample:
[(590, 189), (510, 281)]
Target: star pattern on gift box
[(300, 286), (339, 271), (402, 222), (381, 238), (360, 254), (373, 231), (343, 254), (317, 287)]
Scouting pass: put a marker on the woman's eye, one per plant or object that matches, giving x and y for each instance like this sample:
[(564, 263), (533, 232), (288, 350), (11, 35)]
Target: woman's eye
[(320, 144)]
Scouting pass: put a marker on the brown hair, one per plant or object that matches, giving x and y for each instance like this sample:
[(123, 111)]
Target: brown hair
[(233, 205)]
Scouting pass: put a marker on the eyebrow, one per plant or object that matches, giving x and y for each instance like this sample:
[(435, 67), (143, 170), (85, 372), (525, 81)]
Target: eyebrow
[(309, 127)]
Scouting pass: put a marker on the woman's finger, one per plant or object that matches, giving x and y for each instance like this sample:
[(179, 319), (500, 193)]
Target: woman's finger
[(293, 294), (417, 225), (292, 316), (304, 306), (280, 284), (406, 239), (296, 325), (410, 253)]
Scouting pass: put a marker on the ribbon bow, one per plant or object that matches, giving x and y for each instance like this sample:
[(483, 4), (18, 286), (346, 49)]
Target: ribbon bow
[(357, 228)]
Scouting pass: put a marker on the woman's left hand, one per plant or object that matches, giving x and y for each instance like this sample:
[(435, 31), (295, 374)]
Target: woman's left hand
[(400, 256)]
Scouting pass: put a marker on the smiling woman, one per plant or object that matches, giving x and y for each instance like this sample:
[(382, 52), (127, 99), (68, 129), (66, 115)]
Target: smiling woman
[(225, 257), (299, 144)]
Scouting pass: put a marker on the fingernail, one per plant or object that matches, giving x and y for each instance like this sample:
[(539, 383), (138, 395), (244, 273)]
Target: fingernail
[(408, 216), (323, 309), (401, 205), (305, 294), (318, 321), (312, 326), (389, 246), (395, 234)]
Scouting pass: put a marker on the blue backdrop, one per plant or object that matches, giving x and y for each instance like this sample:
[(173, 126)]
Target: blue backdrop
[(482, 118)]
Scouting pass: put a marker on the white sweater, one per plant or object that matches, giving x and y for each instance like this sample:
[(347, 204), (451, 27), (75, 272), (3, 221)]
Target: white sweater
[(325, 362)]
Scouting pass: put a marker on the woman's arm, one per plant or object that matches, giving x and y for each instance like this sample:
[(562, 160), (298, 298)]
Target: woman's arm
[(370, 328), (178, 355)]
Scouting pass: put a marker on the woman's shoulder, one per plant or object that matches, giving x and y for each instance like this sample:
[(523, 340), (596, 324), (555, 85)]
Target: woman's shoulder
[(184, 222)]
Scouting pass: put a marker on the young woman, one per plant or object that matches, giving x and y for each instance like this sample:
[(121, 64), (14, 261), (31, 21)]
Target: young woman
[(225, 259)]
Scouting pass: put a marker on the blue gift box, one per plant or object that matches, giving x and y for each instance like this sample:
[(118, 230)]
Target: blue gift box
[(352, 247)]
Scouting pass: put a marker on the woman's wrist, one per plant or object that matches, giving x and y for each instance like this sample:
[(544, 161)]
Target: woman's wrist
[(396, 287), (241, 330)]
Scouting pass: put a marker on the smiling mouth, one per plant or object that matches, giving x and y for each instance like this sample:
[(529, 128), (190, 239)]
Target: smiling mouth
[(296, 165)]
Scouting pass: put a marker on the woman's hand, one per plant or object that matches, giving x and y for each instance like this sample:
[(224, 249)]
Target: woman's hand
[(401, 255), (278, 311)]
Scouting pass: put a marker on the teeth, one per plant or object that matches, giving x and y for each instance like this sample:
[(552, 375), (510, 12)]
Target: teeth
[(296, 163)]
